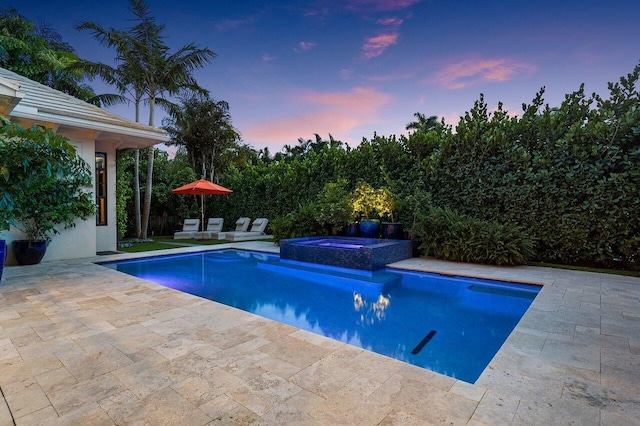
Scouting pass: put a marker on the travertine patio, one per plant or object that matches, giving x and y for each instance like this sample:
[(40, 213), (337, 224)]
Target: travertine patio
[(83, 344)]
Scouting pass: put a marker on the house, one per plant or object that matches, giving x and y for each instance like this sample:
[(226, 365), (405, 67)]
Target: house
[(97, 135)]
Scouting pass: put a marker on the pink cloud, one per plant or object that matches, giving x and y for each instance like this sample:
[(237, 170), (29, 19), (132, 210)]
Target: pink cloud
[(288, 130), (394, 22), (304, 46), (478, 70), (338, 113), (268, 58), (380, 5), (390, 77), (360, 100), (375, 46)]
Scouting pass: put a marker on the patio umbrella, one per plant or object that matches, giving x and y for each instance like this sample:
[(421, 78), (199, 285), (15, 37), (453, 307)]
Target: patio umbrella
[(202, 187)]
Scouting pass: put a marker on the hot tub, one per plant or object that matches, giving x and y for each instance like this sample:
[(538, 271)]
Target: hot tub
[(347, 252)]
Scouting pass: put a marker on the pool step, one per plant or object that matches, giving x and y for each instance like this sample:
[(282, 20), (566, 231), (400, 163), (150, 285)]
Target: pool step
[(371, 285)]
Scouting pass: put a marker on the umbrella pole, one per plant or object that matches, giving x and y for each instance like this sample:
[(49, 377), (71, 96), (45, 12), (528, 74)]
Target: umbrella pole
[(202, 210)]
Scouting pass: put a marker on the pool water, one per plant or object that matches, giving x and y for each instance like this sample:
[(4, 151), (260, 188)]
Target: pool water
[(450, 325)]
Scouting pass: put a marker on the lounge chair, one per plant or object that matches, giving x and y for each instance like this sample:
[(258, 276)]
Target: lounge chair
[(189, 228), (214, 224), (242, 225), (255, 233)]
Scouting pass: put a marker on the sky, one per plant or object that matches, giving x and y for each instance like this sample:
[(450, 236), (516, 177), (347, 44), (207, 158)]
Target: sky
[(353, 68)]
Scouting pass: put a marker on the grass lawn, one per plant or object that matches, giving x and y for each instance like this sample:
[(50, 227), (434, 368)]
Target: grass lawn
[(587, 269), (163, 243)]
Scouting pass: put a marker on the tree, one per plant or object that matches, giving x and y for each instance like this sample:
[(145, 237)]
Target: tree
[(41, 181), (307, 146), (39, 54), (203, 127), (422, 123), (425, 136), (146, 66), (125, 76)]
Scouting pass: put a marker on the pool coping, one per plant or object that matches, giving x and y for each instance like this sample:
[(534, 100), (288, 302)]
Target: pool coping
[(572, 357)]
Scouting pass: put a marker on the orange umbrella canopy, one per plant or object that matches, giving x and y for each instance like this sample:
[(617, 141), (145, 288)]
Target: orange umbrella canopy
[(202, 187)]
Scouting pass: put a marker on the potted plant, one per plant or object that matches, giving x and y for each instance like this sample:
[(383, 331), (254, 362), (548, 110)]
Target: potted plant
[(3, 255), (42, 179), (391, 228), (334, 207), (4, 225), (370, 202)]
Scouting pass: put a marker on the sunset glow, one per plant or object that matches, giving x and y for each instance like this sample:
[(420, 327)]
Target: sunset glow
[(350, 68)]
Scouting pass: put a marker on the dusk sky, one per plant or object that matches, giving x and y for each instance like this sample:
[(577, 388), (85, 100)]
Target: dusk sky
[(290, 69)]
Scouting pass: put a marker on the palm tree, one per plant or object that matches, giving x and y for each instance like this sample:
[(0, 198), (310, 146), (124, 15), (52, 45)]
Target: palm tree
[(418, 143), (423, 123), (203, 127), (148, 69), (39, 53), (126, 78), (164, 73)]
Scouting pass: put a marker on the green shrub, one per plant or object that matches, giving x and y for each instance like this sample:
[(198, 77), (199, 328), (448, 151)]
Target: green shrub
[(43, 181), (299, 223), (449, 235), (370, 202), (333, 205)]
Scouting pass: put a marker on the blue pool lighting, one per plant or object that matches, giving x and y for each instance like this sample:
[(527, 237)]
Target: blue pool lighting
[(450, 325)]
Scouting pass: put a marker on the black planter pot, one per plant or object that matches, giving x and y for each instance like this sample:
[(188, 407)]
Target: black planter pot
[(351, 230), (392, 230), (3, 255), (29, 252)]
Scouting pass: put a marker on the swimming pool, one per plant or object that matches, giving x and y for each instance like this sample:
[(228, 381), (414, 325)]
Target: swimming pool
[(450, 325)]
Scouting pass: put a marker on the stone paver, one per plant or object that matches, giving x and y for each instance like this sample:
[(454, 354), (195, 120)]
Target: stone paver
[(82, 344)]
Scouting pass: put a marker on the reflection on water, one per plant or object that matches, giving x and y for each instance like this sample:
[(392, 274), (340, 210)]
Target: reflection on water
[(371, 312)]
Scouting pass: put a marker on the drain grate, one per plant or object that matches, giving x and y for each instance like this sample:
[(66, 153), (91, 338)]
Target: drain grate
[(423, 342)]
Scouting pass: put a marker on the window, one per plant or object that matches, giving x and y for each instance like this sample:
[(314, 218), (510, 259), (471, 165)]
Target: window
[(101, 188)]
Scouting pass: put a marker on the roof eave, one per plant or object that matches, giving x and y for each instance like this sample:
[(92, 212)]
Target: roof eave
[(153, 136)]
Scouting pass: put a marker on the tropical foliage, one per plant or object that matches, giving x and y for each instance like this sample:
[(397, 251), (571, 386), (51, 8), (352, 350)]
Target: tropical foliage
[(334, 204), (567, 176), (448, 235), (147, 71), (202, 128), (371, 202), (39, 53), (42, 181), (300, 222), (554, 184)]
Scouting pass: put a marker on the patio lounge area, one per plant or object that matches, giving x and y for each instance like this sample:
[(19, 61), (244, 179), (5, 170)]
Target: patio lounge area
[(83, 344)]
